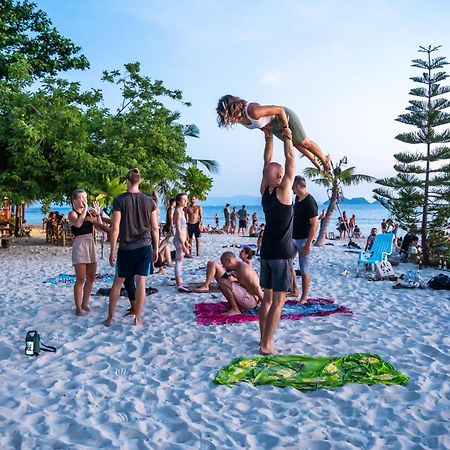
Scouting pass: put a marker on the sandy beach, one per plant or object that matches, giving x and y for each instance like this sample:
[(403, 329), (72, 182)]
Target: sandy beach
[(151, 387)]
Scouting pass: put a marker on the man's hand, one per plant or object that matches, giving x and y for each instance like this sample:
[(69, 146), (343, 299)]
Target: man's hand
[(155, 255), (112, 258), (287, 133), (268, 132)]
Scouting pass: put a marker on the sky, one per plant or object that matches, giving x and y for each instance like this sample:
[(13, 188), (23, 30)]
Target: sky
[(342, 66)]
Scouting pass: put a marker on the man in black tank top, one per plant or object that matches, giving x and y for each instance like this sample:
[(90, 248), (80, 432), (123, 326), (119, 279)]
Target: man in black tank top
[(277, 248)]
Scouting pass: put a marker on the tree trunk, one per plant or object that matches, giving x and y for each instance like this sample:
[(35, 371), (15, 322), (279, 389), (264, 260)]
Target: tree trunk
[(327, 219)]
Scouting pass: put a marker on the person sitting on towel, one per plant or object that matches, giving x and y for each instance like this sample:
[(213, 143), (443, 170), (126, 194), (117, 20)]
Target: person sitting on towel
[(215, 270), (242, 292)]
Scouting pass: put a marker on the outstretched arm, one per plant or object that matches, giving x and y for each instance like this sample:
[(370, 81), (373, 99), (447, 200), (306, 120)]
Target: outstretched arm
[(268, 154), (284, 192)]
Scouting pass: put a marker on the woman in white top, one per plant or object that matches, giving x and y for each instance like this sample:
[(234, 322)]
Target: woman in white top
[(232, 109), (180, 239)]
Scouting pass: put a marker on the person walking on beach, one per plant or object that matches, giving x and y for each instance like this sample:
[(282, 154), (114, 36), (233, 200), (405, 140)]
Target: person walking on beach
[(242, 215), (226, 215), (233, 218), (277, 249), (134, 222), (180, 240), (84, 254), (241, 289), (306, 224), (231, 109), (194, 214)]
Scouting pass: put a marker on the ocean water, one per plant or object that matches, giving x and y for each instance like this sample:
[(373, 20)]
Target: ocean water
[(367, 215)]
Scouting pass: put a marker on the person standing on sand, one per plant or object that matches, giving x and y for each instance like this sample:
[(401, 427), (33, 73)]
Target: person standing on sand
[(233, 218), (180, 241), (84, 255), (194, 214), (242, 214), (134, 222), (241, 289), (277, 249), (226, 215), (306, 221), (168, 226)]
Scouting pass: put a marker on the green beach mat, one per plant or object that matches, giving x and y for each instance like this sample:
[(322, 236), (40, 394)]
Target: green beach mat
[(309, 372)]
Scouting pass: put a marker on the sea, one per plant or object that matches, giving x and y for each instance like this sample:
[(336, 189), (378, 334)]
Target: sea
[(368, 215)]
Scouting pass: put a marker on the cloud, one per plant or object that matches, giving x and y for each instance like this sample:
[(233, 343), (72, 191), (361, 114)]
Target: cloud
[(275, 78)]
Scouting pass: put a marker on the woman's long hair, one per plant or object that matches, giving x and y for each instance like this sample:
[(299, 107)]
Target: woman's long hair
[(230, 110)]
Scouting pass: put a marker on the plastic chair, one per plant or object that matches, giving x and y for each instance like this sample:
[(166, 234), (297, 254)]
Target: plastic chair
[(382, 247)]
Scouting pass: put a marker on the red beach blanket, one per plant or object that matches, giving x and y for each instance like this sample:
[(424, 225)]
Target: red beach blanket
[(213, 313)]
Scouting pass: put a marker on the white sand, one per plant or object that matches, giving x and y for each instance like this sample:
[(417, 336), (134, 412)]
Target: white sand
[(123, 387)]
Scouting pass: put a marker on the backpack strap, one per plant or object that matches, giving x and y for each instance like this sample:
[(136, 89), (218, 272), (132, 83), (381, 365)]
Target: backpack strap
[(48, 348)]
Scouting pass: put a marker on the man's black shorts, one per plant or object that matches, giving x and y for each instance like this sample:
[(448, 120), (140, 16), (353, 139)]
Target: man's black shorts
[(134, 262), (194, 229), (242, 223)]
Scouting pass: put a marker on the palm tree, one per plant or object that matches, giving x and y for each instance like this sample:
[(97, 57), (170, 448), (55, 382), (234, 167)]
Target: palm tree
[(333, 181), (109, 191)]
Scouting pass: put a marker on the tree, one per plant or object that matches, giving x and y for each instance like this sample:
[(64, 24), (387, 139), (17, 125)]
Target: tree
[(419, 195), (27, 35), (333, 181), (111, 189)]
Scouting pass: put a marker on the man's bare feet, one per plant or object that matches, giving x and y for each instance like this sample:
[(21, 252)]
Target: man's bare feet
[(267, 351), (232, 312), (302, 301), (327, 163), (202, 289), (85, 308), (79, 312), (107, 323)]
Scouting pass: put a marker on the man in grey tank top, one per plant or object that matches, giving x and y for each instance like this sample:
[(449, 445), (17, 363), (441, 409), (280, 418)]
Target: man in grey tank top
[(277, 248)]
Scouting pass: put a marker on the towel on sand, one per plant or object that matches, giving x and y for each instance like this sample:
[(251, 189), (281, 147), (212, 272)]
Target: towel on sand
[(309, 372), (213, 313), (69, 278)]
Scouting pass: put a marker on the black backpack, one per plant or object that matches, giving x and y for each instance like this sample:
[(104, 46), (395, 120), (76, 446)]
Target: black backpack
[(33, 344), (439, 282)]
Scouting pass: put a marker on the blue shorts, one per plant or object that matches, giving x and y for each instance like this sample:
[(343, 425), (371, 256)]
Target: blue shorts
[(135, 262), (303, 261), (276, 274)]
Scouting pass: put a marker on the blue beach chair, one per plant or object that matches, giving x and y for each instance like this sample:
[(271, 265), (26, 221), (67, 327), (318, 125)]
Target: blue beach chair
[(382, 247)]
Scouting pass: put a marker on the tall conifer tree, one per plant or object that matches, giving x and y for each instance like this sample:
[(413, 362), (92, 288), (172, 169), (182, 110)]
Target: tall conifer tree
[(418, 196)]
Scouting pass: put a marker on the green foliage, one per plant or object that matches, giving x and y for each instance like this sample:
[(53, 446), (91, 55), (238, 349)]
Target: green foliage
[(110, 190), (418, 196), (28, 40), (195, 182), (333, 181)]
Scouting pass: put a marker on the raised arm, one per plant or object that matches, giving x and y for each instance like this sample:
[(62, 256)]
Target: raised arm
[(284, 192), (268, 155), (75, 220)]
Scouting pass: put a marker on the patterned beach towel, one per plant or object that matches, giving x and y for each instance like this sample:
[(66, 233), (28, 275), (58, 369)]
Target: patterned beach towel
[(309, 372), (213, 313), (70, 278)]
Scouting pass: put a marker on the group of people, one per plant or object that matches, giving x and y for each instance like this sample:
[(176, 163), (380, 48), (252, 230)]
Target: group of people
[(289, 229)]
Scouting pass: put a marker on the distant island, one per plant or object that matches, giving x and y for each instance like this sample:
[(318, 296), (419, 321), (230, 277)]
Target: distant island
[(237, 200), (352, 201)]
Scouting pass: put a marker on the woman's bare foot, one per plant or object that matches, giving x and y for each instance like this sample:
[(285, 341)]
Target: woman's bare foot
[(137, 321), (79, 312), (302, 301), (107, 323), (232, 312), (85, 308)]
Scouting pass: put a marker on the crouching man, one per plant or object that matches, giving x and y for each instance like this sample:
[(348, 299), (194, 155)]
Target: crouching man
[(241, 289)]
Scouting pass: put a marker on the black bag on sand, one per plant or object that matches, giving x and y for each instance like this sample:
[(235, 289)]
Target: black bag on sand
[(33, 344), (440, 282)]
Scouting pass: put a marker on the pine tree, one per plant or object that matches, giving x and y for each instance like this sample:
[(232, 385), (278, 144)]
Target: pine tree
[(418, 196)]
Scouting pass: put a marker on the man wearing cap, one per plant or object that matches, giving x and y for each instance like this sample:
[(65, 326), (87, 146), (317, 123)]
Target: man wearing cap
[(306, 220), (134, 222)]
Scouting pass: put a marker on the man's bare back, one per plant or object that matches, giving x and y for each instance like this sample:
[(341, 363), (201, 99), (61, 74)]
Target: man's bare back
[(249, 280)]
